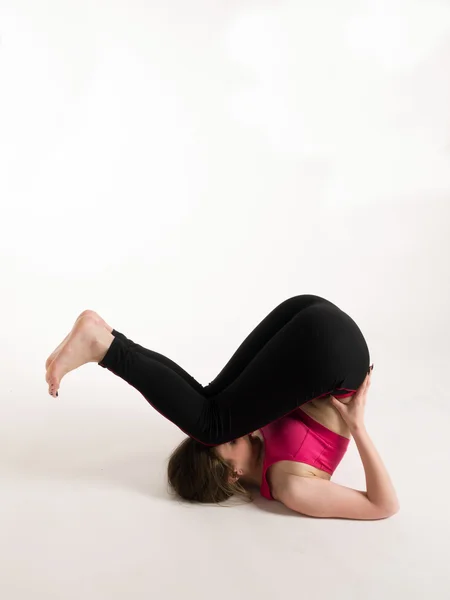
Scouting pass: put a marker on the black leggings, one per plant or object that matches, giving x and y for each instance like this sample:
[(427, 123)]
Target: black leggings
[(303, 349)]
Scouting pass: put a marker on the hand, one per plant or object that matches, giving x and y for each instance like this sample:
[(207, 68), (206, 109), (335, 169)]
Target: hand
[(352, 411)]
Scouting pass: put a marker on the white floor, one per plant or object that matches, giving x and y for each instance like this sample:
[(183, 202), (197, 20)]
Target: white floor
[(85, 511)]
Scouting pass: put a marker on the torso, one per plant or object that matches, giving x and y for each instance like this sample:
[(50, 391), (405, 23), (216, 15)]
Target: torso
[(323, 412)]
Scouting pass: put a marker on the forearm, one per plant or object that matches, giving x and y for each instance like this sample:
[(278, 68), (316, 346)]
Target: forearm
[(380, 490)]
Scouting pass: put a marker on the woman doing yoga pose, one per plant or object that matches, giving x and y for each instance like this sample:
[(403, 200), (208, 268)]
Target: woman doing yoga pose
[(280, 414)]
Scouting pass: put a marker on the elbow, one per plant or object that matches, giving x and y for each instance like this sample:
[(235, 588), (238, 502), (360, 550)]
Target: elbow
[(395, 509), (389, 511)]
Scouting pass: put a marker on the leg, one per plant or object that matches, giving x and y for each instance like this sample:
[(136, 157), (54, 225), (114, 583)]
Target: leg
[(96, 317), (266, 329), (156, 356), (254, 342), (245, 353), (317, 349)]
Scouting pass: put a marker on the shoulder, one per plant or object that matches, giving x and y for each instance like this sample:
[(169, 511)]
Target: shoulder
[(280, 474)]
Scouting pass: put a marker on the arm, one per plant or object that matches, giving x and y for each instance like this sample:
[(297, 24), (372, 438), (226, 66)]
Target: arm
[(317, 497), (321, 498), (380, 490), (326, 499)]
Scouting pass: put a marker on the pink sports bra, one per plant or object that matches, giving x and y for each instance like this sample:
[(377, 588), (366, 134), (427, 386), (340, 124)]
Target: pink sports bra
[(300, 438)]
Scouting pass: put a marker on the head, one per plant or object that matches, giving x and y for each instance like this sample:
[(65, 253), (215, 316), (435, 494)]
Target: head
[(200, 473)]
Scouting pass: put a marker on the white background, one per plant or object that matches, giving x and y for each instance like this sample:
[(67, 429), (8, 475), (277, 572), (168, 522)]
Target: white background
[(181, 168)]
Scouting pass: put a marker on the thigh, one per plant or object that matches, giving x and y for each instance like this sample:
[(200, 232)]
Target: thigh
[(261, 335), (299, 363), (322, 411)]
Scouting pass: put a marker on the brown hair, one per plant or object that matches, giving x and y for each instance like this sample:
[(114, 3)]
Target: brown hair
[(197, 473)]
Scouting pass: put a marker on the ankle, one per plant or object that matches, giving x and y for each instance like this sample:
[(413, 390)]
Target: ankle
[(100, 345)]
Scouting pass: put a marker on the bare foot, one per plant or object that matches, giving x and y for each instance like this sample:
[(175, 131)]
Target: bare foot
[(87, 342), (85, 313)]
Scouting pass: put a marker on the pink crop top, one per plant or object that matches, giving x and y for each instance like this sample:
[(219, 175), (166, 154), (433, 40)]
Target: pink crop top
[(300, 438)]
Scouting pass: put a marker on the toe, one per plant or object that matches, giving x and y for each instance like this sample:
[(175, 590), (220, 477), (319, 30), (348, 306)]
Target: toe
[(53, 384), (53, 390)]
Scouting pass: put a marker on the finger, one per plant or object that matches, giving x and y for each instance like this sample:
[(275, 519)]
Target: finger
[(335, 402), (363, 385)]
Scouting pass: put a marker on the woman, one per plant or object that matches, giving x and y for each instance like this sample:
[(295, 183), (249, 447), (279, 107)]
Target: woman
[(304, 351)]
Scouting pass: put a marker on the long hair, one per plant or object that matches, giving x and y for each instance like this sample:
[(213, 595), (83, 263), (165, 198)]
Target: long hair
[(197, 473)]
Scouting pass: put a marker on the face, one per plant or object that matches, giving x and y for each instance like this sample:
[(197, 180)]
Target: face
[(241, 453)]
